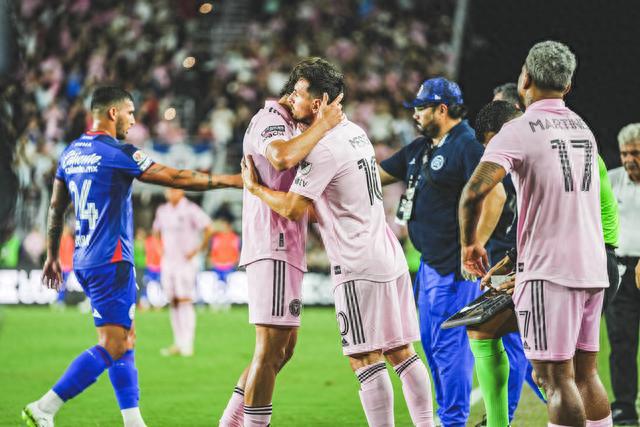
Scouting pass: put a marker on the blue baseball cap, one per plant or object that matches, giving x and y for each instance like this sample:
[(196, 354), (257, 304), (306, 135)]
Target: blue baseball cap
[(436, 91)]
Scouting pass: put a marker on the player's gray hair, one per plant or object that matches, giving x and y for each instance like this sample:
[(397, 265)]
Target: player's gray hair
[(629, 133), (551, 65)]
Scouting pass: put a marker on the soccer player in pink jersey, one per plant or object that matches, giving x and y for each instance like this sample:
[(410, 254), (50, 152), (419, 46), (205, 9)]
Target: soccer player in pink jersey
[(561, 267), (273, 251), (185, 230), (372, 289)]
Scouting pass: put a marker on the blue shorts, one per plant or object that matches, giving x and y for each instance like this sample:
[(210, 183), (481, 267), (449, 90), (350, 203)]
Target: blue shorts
[(111, 289)]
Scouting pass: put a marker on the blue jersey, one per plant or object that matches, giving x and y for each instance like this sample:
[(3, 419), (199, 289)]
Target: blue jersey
[(98, 171)]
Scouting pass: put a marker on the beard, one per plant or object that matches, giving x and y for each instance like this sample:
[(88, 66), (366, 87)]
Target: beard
[(431, 130), (121, 133)]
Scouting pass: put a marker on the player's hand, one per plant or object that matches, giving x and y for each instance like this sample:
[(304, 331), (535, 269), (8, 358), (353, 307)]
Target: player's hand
[(475, 260), (508, 285), (330, 114), (250, 175), (504, 266), (191, 254), (52, 274), (638, 274)]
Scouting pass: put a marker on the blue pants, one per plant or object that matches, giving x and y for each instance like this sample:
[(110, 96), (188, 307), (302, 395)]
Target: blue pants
[(447, 350)]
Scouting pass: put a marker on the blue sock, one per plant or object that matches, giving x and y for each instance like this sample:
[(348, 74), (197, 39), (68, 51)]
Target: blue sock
[(124, 379), (83, 372)]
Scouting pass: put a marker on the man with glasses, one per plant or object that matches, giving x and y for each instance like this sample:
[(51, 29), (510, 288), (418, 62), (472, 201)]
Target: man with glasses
[(435, 168)]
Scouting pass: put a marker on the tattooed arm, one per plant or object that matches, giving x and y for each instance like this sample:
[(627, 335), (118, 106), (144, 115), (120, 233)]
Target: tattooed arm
[(51, 272), (486, 176), (188, 179)]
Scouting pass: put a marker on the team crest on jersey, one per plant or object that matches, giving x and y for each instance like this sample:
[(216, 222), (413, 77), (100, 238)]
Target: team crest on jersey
[(305, 167), (271, 131), (437, 162), (294, 307)]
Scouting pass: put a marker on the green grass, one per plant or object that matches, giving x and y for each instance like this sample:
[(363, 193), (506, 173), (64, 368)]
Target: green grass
[(316, 389)]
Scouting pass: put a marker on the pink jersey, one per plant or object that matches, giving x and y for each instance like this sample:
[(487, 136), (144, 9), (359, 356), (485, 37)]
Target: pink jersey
[(552, 157), (265, 233), (341, 177), (181, 227)]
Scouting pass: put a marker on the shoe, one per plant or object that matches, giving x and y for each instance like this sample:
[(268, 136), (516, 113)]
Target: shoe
[(33, 416), (623, 418), (172, 350), (482, 423)]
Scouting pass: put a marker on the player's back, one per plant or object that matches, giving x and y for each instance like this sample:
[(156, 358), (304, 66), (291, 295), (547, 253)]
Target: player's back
[(341, 176), (98, 172), (553, 155), (265, 233)]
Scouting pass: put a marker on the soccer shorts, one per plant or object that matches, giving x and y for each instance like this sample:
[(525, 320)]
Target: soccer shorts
[(179, 281), (275, 293), (556, 320), (111, 289), (376, 315)]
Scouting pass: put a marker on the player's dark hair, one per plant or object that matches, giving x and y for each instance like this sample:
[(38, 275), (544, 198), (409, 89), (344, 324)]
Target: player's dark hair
[(509, 92), (492, 116), (105, 96), (322, 77), (457, 111)]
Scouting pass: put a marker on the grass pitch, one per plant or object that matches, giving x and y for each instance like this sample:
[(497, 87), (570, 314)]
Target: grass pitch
[(317, 388)]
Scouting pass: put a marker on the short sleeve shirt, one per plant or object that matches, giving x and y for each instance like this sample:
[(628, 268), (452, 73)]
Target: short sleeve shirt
[(266, 234), (181, 227), (98, 172), (441, 174), (552, 157), (341, 177)]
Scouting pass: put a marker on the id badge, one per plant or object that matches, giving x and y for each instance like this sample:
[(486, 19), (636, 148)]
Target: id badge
[(405, 207)]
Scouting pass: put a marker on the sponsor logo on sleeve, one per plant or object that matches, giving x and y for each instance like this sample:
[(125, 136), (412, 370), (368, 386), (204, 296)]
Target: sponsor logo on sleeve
[(142, 160), (305, 167), (272, 131)]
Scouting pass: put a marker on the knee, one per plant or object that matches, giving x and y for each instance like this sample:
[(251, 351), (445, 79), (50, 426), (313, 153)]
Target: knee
[(115, 346), (288, 354), (270, 358)]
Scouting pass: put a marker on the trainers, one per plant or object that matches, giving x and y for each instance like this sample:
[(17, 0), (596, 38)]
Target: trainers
[(623, 418), (33, 416), (172, 350)]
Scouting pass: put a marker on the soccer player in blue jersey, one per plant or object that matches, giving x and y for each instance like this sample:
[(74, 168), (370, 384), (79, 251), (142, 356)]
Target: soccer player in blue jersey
[(95, 173)]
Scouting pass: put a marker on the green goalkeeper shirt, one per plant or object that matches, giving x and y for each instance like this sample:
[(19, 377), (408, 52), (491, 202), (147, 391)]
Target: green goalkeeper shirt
[(608, 207)]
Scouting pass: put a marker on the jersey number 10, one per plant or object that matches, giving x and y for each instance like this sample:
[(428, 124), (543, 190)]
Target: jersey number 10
[(373, 178)]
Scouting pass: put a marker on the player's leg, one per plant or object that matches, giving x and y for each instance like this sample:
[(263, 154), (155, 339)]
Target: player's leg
[(493, 365), (623, 319), (185, 296), (594, 396), (376, 391), (169, 284), (275, 289), (564, 403), (268, 358), (416, 385), (233, 415)]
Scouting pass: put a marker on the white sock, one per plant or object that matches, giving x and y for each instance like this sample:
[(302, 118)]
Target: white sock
[(187, 315), (174, 315), (132, 417), (50, 402)]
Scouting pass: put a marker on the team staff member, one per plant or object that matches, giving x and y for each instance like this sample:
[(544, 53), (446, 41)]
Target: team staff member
[(435, 168), (623, 315)]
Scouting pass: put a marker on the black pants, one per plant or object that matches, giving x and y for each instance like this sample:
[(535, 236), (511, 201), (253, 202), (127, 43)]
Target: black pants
[(614, 277), (623, 324)]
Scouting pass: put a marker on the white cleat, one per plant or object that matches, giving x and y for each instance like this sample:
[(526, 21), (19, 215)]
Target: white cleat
[(33, 416)]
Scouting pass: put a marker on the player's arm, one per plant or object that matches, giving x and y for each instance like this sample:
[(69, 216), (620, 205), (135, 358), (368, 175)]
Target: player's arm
[(490, 213), (51, 272), (385, 177), (289, 205), (207, 233), (286, 154), (485, 177), (187, 179)]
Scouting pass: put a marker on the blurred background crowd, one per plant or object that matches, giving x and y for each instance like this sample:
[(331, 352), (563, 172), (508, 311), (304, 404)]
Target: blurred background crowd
[(198, 72)]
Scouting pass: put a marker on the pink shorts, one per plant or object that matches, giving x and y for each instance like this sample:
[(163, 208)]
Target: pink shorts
[(179, 282), (556, 320), (275, 293), (376, 315)]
